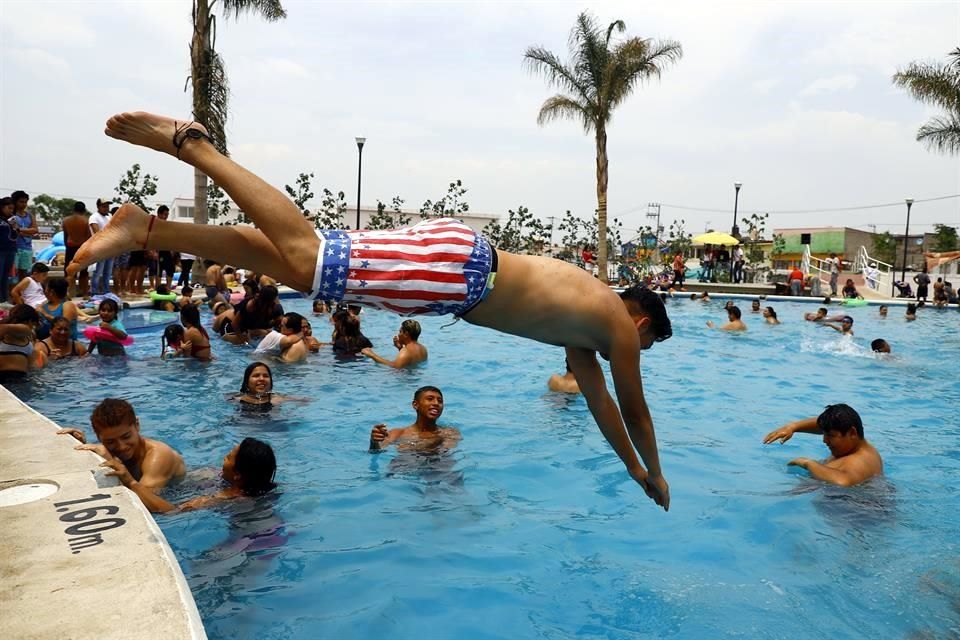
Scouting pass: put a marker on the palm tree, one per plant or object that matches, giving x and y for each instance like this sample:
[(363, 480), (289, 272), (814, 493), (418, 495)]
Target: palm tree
[(937, 84), (208, 76), (599, 77)]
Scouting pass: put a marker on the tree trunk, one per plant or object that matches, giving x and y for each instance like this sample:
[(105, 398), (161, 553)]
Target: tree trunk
[(200, 48), (602, 203)]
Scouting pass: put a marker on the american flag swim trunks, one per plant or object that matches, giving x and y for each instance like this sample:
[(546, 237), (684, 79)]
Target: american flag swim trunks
[(436, 267)]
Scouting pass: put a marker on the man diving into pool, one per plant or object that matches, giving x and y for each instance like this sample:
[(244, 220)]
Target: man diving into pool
[(437, 267)]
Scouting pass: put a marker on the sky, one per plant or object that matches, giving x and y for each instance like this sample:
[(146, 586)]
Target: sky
[(794, 100)]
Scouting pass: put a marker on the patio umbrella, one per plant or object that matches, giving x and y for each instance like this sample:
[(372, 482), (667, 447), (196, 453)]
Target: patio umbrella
[(715, 237)]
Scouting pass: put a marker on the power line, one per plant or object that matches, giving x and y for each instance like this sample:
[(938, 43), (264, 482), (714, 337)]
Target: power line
[(794, 211)]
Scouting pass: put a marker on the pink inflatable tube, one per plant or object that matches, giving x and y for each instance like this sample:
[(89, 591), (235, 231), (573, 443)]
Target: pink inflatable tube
[(95, 334)]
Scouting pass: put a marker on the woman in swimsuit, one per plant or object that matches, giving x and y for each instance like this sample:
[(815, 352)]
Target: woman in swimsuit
[(61, 344), (256, 390), (58, 305), (196, 342), (17, 355)]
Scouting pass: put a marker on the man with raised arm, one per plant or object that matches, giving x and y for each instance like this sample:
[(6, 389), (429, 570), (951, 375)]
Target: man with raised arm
[(410, 353), (437, 267), (852, 459), (423, 434), (152, 463)]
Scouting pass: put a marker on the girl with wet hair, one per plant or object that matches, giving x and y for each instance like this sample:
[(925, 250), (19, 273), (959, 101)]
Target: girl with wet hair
[(171, 342), (17, 355), (196, 341), (248, 470)]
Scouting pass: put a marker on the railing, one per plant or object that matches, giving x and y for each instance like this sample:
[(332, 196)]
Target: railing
[(878, 275), (814, 265)]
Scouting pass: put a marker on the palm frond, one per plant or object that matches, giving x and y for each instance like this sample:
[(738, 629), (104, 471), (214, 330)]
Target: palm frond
[(932, 83), (588, 50), (539, 61), (218, 102), (941, 133), (637, 60), (270, 10), (619, 25), (560, 106)]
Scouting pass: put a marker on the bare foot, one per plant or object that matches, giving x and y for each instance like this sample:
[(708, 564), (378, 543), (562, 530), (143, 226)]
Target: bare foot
[(127, 231), (149, 130)]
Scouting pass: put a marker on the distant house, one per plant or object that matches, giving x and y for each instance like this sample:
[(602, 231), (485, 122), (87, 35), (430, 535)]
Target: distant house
[(843, 241)]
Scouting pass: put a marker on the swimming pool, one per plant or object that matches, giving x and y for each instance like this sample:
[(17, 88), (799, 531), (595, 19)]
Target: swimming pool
[(532, 528)]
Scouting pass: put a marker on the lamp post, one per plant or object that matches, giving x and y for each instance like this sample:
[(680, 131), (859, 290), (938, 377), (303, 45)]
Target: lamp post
[(903, 273), (736, 200), (360, 142)]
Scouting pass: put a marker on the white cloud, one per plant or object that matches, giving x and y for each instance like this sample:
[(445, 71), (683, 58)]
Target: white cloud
[(765, 86), (38, 61), (829, 85)]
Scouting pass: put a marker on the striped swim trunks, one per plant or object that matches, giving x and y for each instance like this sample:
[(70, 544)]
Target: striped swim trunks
[(436, 267)]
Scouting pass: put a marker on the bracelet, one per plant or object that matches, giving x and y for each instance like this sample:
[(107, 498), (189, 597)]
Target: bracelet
[(149, 229)]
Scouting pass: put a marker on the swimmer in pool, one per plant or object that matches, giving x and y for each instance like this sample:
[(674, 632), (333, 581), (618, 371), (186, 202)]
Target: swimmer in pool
[(880, 346), (845, 328), (248, 470), (819, 316), (153, 464), (770, 315), (410, 351), (584, 316), (734, 323), (422, 435), (852, 459)]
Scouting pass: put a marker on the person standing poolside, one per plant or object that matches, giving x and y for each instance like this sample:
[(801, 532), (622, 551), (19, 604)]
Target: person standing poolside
[(59, 344), (833, 263), (796, 281), (734, 323), (76, 231), (186, 265), (679, 270), (152, 463), (411, 352), (165, 258), (98, 223), (423, 434), (923, 283), (30, 288), (566, 383), (27, 228), (8, 246), (248, 470), (852, 459), (584, 316)]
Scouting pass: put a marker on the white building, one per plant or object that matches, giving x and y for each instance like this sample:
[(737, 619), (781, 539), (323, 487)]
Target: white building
[(181, 210)]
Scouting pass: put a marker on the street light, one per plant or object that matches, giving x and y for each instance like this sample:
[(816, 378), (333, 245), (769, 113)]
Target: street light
[(360, 142), (903, 274), (736, 199)]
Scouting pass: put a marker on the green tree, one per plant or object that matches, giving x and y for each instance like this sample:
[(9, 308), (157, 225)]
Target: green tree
[(302, 195), (220, 209), (208, 77), (136, 188), (937, 84), (333, 208), (779, 246), (884, 247), (755, 226), (392, 219), (51, 210), (946, 239), (600, 76), (520, 233), (447, 206), (679, 239)]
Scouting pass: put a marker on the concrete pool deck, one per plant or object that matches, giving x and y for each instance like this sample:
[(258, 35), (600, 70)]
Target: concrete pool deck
[(79, 560)]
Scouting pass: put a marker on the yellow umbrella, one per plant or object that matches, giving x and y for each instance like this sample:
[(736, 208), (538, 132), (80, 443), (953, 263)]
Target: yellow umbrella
[(715, 237)]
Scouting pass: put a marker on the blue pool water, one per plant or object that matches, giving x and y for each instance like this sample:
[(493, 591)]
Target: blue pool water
[(531, 528)]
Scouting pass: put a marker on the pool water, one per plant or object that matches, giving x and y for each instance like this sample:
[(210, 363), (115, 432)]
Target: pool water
[(531, 527)]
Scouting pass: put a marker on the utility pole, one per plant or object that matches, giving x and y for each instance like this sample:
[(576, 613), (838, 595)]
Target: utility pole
[(653, 211), (550, 247)]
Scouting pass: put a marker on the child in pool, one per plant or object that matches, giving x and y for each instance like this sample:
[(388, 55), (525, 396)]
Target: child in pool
[(109, 310)]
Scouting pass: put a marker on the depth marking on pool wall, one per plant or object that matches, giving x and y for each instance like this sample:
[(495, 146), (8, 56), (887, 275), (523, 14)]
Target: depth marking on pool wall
[(88, 534)]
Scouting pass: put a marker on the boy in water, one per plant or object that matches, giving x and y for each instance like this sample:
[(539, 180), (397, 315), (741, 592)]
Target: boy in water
[(584, 316), (422, 434), (852, 459)]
